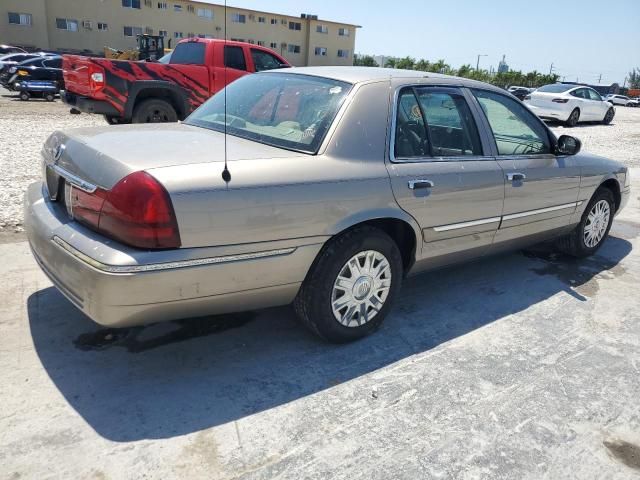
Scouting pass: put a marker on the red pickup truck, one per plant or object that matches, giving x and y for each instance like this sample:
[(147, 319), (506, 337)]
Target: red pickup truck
[(148, 92)]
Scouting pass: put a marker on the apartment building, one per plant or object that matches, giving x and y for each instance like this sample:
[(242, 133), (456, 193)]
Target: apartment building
[(89, 25)]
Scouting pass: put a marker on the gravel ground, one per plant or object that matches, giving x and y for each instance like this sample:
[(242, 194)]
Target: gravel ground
[(24, 126)]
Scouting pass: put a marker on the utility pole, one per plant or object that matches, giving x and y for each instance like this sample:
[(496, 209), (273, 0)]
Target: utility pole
[(551, 69), (478, 62), (599, 79)]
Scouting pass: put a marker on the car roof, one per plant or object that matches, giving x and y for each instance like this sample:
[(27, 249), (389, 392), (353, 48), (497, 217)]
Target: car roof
[(356, 75)]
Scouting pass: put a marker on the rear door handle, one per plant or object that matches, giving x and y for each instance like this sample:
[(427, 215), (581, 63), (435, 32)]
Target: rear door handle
[(415, 184), (516, 177)]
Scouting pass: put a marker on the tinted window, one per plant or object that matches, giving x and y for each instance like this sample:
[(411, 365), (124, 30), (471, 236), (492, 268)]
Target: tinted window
[(234, 58), (555, 88), (580, 93), (516, 130), (434, 123), (264, 61), (188, 53), (53, 63), (284, 110), (593, 95), (33, 62)]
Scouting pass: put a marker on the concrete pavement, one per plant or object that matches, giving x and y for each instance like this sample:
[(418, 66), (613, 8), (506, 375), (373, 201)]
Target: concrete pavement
[(520, 366)]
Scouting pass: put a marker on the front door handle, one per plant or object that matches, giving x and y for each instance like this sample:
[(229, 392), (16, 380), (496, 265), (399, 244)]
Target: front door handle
[(415, 184), (516, 177)]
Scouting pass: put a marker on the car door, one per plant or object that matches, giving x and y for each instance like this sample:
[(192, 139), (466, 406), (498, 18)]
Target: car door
[(441, 175), (597, 106), (541, 189), (234, 66)]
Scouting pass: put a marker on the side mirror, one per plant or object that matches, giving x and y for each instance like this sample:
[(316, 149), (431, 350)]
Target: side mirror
[(568, 145)]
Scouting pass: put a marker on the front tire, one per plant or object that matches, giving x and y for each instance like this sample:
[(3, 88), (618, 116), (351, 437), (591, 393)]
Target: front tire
[(608, 117), (593, 228), (24, 96), (351, 285), (573, 119), (154, 110)]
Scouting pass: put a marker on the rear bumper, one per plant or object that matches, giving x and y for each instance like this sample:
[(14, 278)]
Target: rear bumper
[(561, 113), (89, 105), (134, 287)]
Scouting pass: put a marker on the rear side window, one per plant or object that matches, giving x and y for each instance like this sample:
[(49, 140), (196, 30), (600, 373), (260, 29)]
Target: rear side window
[(435, 124), (234, 58), (188, 53), (54, 63), (580, 93), (516, 130), (593, 95), (264, 60)]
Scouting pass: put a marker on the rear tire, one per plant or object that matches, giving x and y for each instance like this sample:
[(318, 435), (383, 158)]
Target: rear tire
[(608, 117), (596, 219), (573, 119), (154, 110), (49, 97), (360, 269), (112, 120)]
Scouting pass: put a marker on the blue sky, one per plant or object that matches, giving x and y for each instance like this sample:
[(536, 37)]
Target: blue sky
[(582, 38)]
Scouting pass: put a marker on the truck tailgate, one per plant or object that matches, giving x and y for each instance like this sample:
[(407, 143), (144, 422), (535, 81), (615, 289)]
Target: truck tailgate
[(75, 70)]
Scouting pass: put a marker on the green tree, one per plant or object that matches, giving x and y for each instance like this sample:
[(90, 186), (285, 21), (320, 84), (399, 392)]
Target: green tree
[(364, 61), (391, 63), (439, 66), (422, 65), (464, 71), (406, 63), (634, 78)]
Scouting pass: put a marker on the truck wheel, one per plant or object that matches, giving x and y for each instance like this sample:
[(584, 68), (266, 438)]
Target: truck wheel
[(111, 120), (24, 96), (49, 97), (154, 110), (351, 285)]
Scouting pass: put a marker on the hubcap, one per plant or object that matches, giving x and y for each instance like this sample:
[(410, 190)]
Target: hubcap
[(361, 288), (597, 223)]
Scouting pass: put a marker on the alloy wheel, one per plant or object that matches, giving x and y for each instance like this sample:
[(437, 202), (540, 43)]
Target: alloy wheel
[(597, 223), (361, 288)]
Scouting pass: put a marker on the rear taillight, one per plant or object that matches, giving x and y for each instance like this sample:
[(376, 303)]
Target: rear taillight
[(137, 211), (96, 78), (560, 100)]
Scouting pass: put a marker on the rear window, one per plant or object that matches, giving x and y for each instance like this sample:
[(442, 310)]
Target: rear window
[(284, 110), (556, 88), (188, 53)]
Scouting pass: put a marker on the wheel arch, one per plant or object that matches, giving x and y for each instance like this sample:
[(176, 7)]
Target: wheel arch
[(611, 183), (400, 226), (167, 91)]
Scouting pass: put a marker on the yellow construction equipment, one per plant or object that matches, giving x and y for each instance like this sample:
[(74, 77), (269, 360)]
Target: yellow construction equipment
[(150, 47)]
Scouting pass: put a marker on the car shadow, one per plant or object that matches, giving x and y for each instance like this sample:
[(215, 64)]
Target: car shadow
[(176, 378)]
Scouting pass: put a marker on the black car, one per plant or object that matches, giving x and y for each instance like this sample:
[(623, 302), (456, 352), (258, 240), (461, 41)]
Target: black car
[(14, 59), (42, 68), (520, 93)]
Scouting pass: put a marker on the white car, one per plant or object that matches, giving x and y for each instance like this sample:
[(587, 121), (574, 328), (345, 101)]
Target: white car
[(569, 104), (618, 100)]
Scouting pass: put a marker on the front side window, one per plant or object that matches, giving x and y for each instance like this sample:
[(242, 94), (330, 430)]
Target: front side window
[(284, 110), (515, 129), (580, 93), (264, 61), (234, 58), (53, 63), (593, 95), (434, 123), (190, 53)]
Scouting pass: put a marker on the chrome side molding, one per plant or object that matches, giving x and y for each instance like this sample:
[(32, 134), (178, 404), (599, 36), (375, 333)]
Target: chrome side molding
[(472, 223), (541, 210)]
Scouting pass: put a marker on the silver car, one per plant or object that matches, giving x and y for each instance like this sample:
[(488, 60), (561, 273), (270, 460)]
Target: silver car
[(323, 187)]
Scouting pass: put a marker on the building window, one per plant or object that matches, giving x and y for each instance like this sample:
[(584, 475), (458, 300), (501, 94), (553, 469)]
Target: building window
[(273, 45), (343, 32), (251, 41), (131, 4), (294, 48), (177, 8), (163, 33), (343, 53), (148, 31), (274, 21), (322, 29), (262, 19), (261, 43), (204, 35), (162, 6), (20, 19), (238, 18), (103, 26), (132, 31), (67, 24), (205, 13), (178, 35), (295, 26), (191, 9), (191, 35), (321, 51)]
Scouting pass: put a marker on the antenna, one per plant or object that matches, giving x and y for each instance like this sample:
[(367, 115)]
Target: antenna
[(226, 174)]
